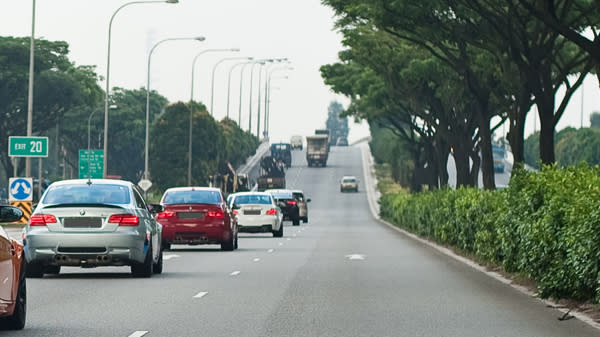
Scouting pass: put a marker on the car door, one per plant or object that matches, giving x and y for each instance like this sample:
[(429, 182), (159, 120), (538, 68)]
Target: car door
[(149, 223), (7, 271)]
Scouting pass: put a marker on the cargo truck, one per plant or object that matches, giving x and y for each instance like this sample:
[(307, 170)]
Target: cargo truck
[(272, 174), (317, 150)]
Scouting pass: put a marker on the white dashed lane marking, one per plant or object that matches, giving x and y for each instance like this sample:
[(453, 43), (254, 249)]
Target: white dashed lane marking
[(235, 273), (256, 259), (138, 334), (170, 256), (270, 250), (200, 294)]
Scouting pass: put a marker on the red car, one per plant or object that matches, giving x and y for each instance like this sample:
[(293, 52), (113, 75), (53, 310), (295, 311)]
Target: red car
[(13, 293), (197, 215)]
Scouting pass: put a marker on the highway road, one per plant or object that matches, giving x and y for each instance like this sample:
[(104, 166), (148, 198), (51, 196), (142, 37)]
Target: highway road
[(341, 274)]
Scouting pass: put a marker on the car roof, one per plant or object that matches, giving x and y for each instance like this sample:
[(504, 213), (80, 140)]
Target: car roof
[(93, 181), (192, 188), (348, 177), (249, 193)]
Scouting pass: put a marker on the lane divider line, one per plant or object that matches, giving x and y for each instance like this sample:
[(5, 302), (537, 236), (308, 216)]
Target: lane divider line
[(235, 273), (281, 243), (256, 259), (200, 294), (270, 250), (138, 334)]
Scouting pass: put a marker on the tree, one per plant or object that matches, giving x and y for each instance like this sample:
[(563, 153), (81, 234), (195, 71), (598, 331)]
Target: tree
[(337, 123), (59, 87)]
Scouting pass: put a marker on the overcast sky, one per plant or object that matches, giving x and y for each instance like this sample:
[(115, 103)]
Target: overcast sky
[(300, 30)]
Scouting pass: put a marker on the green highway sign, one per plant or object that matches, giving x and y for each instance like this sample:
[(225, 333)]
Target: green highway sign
[(92, 159), (27, 146)]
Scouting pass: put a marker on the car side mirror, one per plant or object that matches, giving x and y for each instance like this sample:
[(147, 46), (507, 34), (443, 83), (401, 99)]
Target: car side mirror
[(10, 213), (308, 200), (155, 208)]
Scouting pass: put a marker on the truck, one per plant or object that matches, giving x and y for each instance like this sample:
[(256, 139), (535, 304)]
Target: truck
[(327, 133), (317, 150), (272, 174)]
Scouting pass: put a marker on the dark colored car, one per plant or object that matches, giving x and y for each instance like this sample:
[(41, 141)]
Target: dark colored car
[(282, 152), (288, 205), (195, 216), (13, 291)]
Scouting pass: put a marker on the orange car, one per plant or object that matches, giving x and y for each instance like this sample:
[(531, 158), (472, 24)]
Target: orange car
[(12, 269)]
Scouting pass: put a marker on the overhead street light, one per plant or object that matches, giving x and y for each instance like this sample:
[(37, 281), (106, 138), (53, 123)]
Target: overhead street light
[(268, 93), (212, 85), (260, 63), (198, 38), (268, 104), (229, 84), (189, 173), (107, 93)]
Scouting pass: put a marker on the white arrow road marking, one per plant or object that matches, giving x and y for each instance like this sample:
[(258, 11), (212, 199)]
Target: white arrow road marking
[(355, 257), (270, 250), (200, 294), (256, 259), (138, 334), (169, 256)]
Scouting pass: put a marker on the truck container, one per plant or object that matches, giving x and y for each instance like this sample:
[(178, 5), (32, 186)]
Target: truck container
[(317, 150)]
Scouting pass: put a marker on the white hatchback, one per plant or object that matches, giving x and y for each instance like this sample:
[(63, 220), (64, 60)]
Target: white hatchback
[(257, 212)]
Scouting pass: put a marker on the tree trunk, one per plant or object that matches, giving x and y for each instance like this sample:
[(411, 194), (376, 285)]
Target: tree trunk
[(545, 104), (487, 159), (463, 167)]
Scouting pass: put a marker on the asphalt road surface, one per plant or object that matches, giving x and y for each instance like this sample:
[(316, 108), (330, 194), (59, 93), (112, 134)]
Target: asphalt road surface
[(341, 274)]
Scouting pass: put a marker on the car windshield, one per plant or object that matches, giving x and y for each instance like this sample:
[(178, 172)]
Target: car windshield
[(298, 196), (192, 197), (87, 194), (252, 199), (349, 180), (282, 195)]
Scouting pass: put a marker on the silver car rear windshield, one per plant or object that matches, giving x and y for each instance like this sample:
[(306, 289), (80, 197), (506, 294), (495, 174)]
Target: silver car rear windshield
[(252, 199), (87, 194), (192, 197)]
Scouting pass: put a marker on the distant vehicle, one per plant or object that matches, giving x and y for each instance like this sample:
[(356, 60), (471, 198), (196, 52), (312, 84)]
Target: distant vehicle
[(325, 132), (13, 289), (498, 154), (288, 205), (92, 223), (257, 212), (317, 150), (349, 183), (342, 142), (282, 152), (197, 215), (302, 205), (296, 142), (272, 174)]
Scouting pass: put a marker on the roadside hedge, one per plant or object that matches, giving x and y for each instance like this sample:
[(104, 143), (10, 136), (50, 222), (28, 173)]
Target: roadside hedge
[(545, 225)]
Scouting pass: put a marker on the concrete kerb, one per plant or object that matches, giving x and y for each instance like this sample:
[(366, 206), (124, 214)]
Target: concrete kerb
[(373, 200)]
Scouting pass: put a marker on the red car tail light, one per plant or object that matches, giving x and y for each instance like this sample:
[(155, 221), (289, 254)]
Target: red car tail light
[(272, 211), (41, 219), (292, 202), (166, 215), (215, 214), (235, 212), (124, 219)]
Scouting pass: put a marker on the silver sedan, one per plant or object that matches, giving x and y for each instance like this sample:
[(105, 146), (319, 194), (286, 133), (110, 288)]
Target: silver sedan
[(90, 223)]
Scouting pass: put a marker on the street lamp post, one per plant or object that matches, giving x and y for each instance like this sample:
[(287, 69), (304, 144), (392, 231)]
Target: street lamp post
[(189, 173), (212, 85), (268, 104), (107, 94), (268, 93), (198, 38), (229, 85), (30, 91)]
